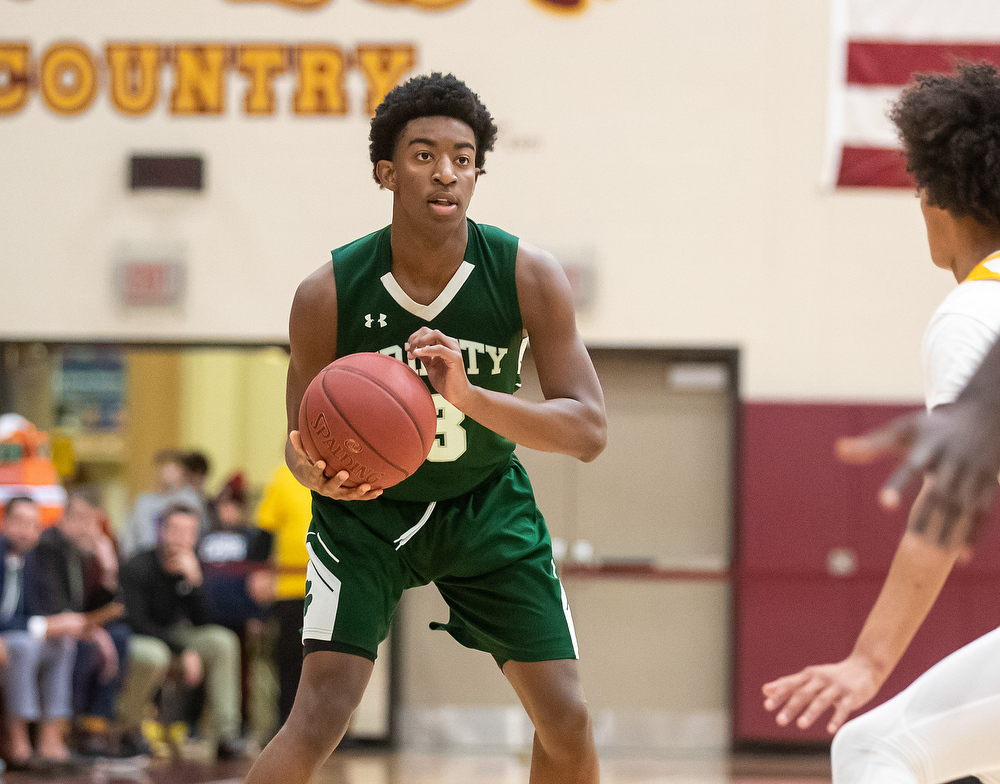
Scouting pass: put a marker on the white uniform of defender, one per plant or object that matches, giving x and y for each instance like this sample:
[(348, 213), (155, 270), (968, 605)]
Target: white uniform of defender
[(946, 724)]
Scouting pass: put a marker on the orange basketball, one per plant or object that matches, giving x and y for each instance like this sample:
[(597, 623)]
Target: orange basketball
[(368, 414)]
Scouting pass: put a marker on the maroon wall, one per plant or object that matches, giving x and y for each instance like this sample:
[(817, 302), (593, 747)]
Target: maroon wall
[(797, 503)]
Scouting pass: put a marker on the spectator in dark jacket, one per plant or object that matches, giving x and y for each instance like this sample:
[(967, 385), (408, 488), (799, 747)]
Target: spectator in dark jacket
[(165, 606), (79, 573), (38, 650)]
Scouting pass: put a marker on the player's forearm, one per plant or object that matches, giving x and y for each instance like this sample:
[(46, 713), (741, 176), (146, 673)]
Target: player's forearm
[(918, 572), (570, 427)]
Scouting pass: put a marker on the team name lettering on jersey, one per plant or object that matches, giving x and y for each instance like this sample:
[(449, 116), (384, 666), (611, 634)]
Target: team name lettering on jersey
[(475, 355)]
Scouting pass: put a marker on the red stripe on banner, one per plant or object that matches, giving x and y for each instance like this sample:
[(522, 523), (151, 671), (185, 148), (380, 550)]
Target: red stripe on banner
[(873, 167), (893, 63)]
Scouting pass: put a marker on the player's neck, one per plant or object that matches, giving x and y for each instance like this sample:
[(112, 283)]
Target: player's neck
[(425, 258), (972, 254)]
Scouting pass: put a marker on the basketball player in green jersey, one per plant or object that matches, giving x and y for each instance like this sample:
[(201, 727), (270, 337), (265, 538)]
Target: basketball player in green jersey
[(454, 299)]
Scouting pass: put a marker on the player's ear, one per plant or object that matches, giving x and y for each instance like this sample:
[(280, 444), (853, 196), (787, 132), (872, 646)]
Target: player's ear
[(386, 174)]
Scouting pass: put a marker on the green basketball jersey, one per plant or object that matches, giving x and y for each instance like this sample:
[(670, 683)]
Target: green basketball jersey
[(478, 307)]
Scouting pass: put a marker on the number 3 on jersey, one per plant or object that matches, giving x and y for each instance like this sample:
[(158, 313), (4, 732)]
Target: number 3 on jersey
[(450, 440)]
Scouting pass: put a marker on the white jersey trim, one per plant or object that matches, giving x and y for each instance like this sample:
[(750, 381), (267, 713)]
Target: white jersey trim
[(431, 311), (320, 615), (569, 618)]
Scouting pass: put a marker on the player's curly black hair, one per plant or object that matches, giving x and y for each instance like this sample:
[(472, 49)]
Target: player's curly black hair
[(429, 96), (950, 129)]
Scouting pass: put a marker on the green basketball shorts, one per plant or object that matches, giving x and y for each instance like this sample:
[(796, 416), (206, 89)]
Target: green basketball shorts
[(488, 552)]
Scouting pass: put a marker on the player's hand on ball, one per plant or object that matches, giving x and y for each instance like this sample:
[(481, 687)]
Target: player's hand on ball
[(313, 476), (442, 357), (808, 694)]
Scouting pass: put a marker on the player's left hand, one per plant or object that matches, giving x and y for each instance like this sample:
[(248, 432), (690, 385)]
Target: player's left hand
[(844, 686), (442, 357)]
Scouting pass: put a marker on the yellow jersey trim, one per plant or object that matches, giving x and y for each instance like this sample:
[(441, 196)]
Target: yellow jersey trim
[(987, 269)]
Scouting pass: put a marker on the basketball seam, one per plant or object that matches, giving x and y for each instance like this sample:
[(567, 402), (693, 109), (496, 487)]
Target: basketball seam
[(390, 392), (354, 429)]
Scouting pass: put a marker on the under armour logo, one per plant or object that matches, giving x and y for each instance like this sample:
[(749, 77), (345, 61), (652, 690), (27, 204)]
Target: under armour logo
[(369, 320)]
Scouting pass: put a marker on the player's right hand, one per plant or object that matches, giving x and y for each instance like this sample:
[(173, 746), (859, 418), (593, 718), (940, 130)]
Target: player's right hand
[(313, 475), (809, 693)]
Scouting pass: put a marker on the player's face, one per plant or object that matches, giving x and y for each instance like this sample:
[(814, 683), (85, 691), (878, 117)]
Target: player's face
[(940, 233), (433, 172)]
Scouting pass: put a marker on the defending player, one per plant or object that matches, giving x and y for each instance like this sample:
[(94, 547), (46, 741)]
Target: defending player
[(456, 299), (945, 725)]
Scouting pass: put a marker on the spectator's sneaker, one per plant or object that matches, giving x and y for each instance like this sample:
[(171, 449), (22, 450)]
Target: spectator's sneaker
[(94, 744), (20, 764), (91, 737), (132, 744), (49, 766), (157, 739)]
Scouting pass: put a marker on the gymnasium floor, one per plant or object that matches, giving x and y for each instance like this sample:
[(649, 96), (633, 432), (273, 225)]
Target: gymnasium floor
[(376, 767)]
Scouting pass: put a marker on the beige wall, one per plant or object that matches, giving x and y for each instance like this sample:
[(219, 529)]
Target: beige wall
[(678, 144)]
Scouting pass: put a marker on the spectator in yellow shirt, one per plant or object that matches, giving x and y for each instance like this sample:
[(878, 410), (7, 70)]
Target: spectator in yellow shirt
[(285, 511)]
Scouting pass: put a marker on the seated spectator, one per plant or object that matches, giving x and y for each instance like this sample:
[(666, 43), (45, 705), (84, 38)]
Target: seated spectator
[(165, 606), (173, 486), (39, 650), (231, 555), (238, 585), (78, 572)]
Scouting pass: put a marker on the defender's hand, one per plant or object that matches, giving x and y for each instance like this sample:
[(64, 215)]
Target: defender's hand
[(844, 686), (958, 448), (442, 357), (313, 475)]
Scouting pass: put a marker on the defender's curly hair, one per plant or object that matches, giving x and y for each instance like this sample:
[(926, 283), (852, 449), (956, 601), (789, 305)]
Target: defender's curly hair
[(950, 129), (429, 96)]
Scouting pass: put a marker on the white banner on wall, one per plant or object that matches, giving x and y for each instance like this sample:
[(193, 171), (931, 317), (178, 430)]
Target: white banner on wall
[(877, 46)]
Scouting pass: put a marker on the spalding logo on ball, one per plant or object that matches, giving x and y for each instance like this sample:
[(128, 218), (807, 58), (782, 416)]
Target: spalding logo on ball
[(370, 415)]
